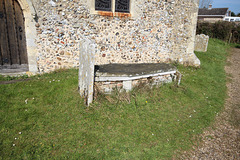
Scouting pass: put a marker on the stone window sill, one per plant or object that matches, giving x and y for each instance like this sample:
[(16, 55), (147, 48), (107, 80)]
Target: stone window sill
[(114, 14)]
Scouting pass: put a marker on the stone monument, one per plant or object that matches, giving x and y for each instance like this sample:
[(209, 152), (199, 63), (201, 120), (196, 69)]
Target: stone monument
[(86, 70)]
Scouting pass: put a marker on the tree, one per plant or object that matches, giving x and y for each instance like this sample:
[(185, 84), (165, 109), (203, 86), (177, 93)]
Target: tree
[(205, 3), (233, 14), (238, 15)]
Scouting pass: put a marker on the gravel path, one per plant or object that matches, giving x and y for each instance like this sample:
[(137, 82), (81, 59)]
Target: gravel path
[(222, 140)]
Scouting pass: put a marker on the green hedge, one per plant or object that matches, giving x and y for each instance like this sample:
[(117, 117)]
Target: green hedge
[(227, 31)]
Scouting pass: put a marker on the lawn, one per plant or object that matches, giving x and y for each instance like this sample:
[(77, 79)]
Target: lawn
[(45, 118)]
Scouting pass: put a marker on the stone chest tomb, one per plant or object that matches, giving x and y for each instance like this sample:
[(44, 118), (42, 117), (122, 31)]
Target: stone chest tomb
[(108, 77)]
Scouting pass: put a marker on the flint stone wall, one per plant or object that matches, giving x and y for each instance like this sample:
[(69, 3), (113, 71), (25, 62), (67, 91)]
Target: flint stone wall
[(155, 31), (201, 43)]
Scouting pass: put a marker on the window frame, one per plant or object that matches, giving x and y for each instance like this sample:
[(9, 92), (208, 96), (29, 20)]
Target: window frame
[(134, 10), (113, 11)]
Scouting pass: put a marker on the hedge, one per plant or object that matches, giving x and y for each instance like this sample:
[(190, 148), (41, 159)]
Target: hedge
[(227, 31)]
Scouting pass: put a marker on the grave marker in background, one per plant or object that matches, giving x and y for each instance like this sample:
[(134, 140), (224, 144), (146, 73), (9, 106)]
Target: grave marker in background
[(201, 43)]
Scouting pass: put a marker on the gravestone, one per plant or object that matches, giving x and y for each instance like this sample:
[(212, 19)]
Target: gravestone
[(86, 70), (201, 43)]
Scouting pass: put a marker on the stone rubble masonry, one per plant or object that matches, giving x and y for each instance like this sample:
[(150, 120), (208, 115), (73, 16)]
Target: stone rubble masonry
[(109, 86), (154, 31), (201, 43)]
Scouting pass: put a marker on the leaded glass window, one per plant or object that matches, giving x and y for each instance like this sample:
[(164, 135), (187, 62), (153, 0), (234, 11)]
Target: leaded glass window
[(103, 5), (122, 6)]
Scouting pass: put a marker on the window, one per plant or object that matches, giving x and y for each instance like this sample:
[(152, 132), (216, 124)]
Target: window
[(122, 6), (103, 5), (113, 5)]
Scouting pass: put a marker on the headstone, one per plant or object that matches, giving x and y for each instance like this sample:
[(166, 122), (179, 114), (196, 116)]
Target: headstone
[(201, 43), (86, 70)]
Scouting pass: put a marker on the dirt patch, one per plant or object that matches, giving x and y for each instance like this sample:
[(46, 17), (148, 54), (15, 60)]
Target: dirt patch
[(222, 139)]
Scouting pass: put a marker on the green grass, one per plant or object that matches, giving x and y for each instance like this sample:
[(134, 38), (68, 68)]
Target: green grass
[(143, 124)]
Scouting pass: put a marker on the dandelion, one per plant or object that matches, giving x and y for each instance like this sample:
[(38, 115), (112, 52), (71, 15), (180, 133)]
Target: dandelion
[(190, 116), (14, 145), (33, 98), (146, 101), (15, 138), (20, 133)]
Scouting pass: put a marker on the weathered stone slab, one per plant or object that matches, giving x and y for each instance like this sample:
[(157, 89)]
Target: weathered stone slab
[(132, 70), (86, 70), (201, 43)]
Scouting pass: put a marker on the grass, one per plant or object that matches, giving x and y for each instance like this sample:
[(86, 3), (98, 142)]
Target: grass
[(45, 117)]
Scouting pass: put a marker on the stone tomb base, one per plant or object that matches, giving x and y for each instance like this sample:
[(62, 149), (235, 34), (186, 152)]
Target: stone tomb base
[(126, 76)]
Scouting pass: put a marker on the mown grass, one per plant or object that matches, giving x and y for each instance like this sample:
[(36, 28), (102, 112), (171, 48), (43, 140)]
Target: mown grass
[(45, 117)]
